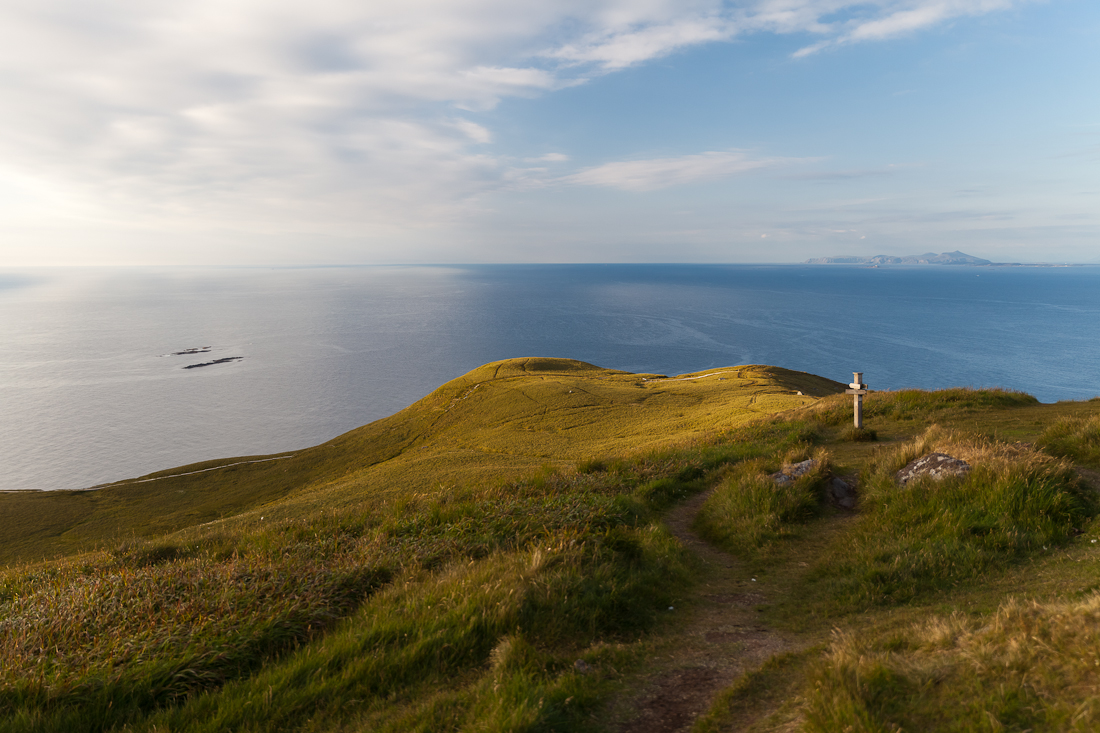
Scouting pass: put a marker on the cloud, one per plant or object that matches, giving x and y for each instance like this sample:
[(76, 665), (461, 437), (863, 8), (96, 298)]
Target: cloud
[(477, 133), (618, 48), (657, 173), (314, 116), (898, 17)]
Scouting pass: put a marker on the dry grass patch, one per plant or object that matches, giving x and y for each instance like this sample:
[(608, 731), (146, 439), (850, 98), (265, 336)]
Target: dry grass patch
[(1030, 666)]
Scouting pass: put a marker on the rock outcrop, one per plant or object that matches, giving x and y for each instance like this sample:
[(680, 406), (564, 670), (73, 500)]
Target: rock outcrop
[(937, 466), (841, 493), (794, 471)]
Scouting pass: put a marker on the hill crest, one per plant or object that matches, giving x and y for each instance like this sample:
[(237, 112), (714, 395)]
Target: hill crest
[(498, 421)]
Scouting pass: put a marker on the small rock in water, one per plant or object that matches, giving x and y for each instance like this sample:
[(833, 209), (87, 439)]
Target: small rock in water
[(938, 466), (223, 360)]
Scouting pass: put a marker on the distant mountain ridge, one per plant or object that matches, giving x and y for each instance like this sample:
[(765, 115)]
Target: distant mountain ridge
[(929, 258)]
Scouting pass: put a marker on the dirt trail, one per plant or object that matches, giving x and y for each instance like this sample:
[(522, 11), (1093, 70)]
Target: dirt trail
[(721, 639)]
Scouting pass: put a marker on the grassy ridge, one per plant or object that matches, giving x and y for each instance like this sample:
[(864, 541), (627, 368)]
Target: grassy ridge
[(502, 420), (360, 614), (492, 557), (454, 547)]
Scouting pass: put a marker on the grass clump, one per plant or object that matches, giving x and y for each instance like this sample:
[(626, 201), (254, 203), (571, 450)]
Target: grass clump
[(859, 435), (1029, 667), (1075, 438), (929, 534), (750, 511)]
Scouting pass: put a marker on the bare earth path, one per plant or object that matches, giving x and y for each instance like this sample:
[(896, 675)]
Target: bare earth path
[(720, 639)]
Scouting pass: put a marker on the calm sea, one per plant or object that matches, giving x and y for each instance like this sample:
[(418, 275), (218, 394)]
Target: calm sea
[(92, 388)]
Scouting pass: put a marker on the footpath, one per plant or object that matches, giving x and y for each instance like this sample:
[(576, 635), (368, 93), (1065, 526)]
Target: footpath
[(720, 639)]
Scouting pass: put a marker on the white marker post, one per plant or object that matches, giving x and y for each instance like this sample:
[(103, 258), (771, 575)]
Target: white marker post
[(858, 389)]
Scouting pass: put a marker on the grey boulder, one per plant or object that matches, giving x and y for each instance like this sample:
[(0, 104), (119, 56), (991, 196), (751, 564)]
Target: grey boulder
[(936, 466)]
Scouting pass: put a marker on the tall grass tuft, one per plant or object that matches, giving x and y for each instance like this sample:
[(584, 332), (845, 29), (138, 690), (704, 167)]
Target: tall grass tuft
[(1075, 438), (749, 512), (925, 536)]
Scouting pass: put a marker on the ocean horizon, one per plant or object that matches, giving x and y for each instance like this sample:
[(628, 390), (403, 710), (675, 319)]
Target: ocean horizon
[(108, 374)]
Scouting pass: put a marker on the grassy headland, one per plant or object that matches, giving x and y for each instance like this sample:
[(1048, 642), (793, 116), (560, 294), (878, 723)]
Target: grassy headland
[(493, 558), (500, 421)]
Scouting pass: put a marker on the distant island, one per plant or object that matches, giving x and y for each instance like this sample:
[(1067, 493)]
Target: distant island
[(929, 258)]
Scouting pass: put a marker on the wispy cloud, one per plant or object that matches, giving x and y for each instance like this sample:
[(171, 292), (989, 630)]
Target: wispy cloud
[(613, 48), (656, 173), (892, 18), (548, 158)]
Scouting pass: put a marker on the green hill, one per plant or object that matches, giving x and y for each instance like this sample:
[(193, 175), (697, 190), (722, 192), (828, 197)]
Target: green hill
[(496, 557), (500, 421)]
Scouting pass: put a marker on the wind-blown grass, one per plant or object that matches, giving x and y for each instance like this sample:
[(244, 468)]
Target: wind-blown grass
[(81, 641)]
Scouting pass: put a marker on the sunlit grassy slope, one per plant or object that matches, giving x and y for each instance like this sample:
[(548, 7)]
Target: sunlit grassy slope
[(493, 558), (499, 421), (437, 570)]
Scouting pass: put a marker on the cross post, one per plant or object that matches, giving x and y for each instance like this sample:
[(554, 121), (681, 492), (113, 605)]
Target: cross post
[(857, 390)]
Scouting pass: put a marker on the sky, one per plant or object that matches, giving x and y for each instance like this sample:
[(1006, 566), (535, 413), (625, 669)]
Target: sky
[(329, 132)]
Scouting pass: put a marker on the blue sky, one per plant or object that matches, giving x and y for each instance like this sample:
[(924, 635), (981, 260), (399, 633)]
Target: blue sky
[(268, 132)]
